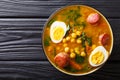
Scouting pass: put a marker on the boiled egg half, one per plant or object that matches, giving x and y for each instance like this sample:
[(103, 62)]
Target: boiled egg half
[(57, 31), (98, 56)]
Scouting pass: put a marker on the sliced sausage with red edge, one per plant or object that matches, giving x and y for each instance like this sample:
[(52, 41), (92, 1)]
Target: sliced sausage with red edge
[(62, 59), (103, 38), (93, 18)]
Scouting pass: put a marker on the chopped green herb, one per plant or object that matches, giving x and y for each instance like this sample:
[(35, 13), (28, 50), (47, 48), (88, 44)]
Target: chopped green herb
[(69, 68), (54, 52), (46, 41), (79, 59), (87, 67), (80, 24), (83, 37), (50, 22), (73, 15), (89, 40), (76, 16), (83, 44), (83, 24)]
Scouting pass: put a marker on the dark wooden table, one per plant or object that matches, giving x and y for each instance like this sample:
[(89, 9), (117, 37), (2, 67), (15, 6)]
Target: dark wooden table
[(21, 25)]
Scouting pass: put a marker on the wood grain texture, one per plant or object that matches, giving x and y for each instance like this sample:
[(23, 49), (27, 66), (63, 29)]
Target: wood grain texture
[(44, 8), (20, 39), (42, 70)]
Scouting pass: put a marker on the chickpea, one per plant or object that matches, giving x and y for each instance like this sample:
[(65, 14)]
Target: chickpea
[(78, 33), (72, 55), (73, 35), (72, 40), (67, 49), (79, 41), (64, 40), (77, 50), (67, 38), (93, 46), (65, 44), (83, 54)]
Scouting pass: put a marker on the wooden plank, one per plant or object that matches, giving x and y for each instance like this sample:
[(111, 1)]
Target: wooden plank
[(41, 70), (20, 39), (44, 8), (116, 33)]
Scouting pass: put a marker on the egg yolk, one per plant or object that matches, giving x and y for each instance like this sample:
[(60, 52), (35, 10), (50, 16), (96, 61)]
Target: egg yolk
[(58, 33), (97, 58)]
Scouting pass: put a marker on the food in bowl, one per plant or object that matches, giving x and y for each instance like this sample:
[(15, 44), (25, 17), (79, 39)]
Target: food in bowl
[(77, 40)]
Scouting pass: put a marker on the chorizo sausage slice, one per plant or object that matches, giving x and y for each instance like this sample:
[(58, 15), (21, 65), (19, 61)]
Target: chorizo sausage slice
[(93, 18), (103, 38), (62, 59)]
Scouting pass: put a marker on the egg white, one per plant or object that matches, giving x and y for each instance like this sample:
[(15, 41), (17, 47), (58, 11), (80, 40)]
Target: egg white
[(104, 52), (53, 26)]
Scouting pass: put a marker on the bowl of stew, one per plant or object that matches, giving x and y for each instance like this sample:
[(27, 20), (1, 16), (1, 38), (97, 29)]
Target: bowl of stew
[(77, 39)]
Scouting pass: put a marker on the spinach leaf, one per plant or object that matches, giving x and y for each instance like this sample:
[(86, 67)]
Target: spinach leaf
[(54, 52), (79, 59), (83, 24), (72, 15), (83, 37), (50, 22), (47, 41), (89, 40)]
